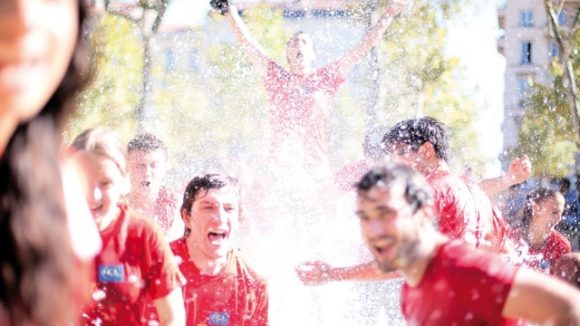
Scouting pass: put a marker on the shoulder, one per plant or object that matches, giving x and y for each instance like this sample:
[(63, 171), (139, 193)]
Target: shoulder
[(140, 226), (178, 247), (247, 269), (460, 256), (558, 239)]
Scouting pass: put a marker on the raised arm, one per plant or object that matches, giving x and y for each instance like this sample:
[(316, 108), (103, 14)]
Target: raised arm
[(373, 35), (520, 170), (248, 44), (319, 273), (543, 300)]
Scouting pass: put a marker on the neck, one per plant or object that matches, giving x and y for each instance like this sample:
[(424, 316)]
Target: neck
[(537, 233), (435, 166), (141, 202), (414, 271), (300, 70), (206, 265)]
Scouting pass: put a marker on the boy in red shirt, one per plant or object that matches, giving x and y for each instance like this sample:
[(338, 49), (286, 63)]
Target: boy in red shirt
[(221, 288), (448, 282)]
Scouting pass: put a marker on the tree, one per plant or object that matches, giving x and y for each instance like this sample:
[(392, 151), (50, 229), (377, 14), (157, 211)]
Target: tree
[(549, 132)]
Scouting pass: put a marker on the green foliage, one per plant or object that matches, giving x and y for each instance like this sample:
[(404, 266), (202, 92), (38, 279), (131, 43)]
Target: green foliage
[(420, 80), (115, 91), (548, 132)]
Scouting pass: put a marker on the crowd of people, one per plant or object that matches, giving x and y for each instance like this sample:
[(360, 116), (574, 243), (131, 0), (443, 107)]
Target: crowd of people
[(91, 235)]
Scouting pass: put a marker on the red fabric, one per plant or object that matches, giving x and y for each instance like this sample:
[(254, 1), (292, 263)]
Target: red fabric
[(135, 266), (235, 297), (301, 106), (461, 286), (465, 212), (165, 208), (555, 246)]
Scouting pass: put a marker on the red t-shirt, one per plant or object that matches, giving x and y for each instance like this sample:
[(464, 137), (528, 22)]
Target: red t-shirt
[(461, 286), (234, 297), (555, 246), (300, 110), (465, 212), (135, 267)]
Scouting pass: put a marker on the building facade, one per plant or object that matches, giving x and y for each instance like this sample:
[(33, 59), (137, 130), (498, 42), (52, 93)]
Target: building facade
[(528, 49)]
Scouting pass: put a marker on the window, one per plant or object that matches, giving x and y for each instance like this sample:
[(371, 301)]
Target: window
[(554, 50), (289, 13), (524, 88), (526, 53), (169, 58), (527, 18)]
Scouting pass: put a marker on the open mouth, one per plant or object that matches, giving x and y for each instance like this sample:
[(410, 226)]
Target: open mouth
[(145, 184), (216, 236)]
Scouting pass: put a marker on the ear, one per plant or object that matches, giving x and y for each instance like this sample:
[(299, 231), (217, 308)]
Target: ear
[(186, 217), (426, 214), (426, 150)]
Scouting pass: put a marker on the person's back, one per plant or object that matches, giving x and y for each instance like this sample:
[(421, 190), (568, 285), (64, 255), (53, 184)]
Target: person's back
[(465, 212)]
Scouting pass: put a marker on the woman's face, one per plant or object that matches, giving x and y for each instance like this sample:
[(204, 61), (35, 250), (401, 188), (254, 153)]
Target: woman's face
[(548, 211), (106, 186), (37, 40)]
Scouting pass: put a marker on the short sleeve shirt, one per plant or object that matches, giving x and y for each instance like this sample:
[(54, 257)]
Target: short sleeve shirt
[(300, 106), (234, 297), (165, 209), (465, 212), (461, 286), (135, 267), (555, 246)]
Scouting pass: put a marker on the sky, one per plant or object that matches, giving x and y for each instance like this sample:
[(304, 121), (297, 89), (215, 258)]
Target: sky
[(472, 37)]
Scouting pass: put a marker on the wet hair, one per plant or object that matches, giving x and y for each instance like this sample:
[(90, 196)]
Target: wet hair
[(417, 192), (104, 143), (537, 196), (37, 275), (146, 142), (416, 132), (204, 183)]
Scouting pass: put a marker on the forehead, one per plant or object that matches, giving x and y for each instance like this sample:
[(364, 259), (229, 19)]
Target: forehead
[(393, 196), (147, 156), (224, 195), (300, 37), (98, 165)]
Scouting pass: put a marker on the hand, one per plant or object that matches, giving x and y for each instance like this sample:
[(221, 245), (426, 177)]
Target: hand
[(395, 7), (520, 170), (314, 273), (222, 6)]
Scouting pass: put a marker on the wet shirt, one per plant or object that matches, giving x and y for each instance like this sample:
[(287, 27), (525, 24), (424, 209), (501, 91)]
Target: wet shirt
[(461, 286), (165, 209), (135, 267), (465, 212), (300, 112), (234, 297), (555, 246)]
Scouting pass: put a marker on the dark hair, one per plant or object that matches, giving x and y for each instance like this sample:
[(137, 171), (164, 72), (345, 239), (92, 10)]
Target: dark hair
[(146, 142), (37, 257), (205, 182), (536, 196), (416, 132), (417, 192)]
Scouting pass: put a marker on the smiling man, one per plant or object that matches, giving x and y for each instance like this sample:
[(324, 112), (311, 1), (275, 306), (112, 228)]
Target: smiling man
[(221, 288), (448, 282)]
